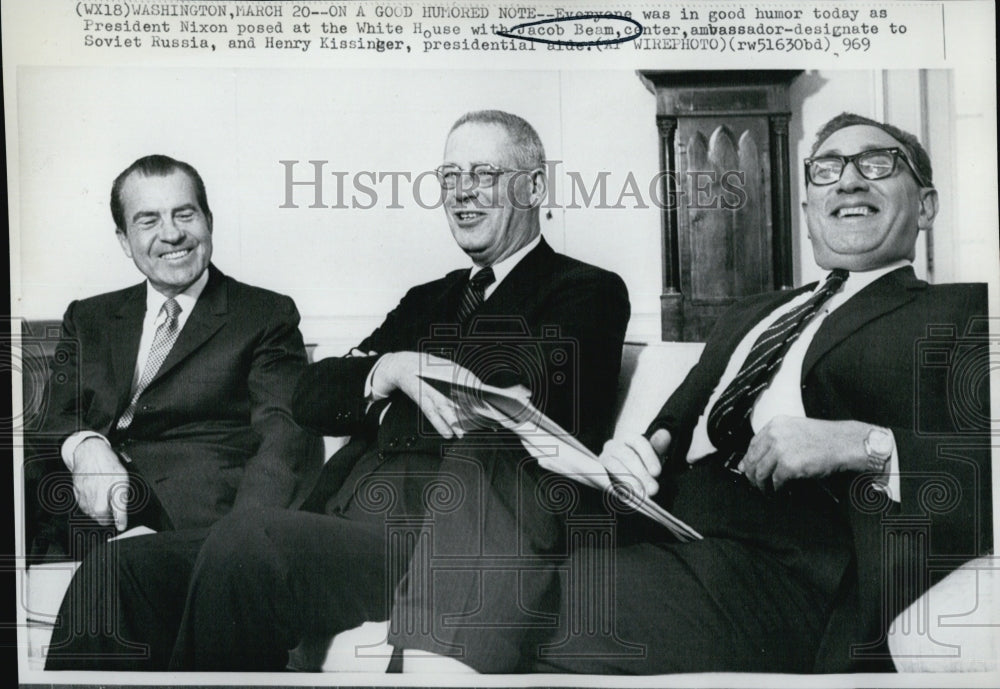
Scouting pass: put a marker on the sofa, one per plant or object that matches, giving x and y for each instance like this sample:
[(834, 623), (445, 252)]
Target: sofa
[(954, 627)]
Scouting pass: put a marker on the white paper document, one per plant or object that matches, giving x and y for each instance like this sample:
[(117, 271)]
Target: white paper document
[(555, 448)]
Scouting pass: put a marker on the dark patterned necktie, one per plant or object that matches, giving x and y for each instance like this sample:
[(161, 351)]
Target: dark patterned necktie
[(475, 293), (163, 341), (729, 420)]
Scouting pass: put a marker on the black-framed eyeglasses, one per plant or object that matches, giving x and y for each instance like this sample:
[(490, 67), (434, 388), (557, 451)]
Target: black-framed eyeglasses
[(877, 163), (482, 175)]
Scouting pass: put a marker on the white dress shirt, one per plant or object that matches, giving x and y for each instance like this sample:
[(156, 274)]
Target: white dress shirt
[(150, 322), (783, 396)]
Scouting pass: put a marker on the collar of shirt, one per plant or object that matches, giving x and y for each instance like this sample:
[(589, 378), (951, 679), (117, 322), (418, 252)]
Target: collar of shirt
[(186, 299), (857, 281), (502, 269)]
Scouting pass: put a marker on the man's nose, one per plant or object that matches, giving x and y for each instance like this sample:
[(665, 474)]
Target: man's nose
[(851, 179), (466, 187), (171, 232)]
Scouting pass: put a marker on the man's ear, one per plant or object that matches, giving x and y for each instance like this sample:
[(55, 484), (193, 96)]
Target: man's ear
[(805, 209), (539, 187), (123, 240), (928, 208)]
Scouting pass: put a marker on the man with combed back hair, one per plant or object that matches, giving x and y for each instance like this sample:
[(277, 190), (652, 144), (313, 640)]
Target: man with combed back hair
[(169, 408)]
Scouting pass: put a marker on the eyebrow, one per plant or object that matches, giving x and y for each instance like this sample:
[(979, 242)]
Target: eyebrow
[(173, 211), (869, 147), (144, 214)]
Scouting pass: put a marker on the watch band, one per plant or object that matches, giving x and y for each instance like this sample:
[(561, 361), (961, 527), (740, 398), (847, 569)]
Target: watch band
[(879, 444)]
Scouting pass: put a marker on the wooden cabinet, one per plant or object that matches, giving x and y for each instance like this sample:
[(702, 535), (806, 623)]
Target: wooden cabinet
[(726, 209)]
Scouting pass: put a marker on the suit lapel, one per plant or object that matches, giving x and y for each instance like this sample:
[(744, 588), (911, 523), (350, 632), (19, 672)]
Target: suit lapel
[(886, 294), (127, 332), (445, 306), (208, 316), (521, 285)]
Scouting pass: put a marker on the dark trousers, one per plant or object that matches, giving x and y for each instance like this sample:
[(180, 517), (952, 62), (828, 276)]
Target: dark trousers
[(266, 584), (123, 606), (241, 594), (486, 572), (583, 591)]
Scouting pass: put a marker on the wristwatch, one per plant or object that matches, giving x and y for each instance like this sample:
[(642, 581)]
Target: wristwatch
[(878, 447)]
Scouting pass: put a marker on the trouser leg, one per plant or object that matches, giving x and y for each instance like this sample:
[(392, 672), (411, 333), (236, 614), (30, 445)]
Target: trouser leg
[(123, 606), (709, 606), (262, 583), (483, 580)]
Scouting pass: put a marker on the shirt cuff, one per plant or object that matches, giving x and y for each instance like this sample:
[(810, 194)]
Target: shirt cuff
[(71, 443), (371, 394), (888, 482)]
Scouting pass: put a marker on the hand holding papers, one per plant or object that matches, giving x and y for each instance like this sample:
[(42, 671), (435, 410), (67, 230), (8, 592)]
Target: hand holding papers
[(485, 406)]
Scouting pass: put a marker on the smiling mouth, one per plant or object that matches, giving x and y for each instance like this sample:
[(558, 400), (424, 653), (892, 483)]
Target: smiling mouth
[(468, 216), (855, 212), (175, 255)]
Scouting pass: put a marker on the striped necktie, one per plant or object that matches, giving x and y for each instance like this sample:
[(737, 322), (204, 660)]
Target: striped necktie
[(729, 420), (475, 293), (163, 341)]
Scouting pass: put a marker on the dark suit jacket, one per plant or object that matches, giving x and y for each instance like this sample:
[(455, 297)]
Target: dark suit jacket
[(911, 357), (554, 324), (213, 430)]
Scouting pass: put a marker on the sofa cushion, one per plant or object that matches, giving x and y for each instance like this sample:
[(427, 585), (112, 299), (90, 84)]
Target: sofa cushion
[(954, 626)]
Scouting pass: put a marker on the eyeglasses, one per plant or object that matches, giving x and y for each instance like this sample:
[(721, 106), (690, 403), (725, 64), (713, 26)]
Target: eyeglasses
[(875, 164), (482, 175)]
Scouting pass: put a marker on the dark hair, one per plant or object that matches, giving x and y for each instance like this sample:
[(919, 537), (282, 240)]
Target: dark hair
[(527, 150), (918, 156), (156, 166)]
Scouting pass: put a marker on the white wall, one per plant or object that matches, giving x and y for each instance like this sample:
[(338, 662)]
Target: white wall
[(346, 267)]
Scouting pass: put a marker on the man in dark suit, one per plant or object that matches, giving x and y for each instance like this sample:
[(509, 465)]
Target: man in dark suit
[(831, 446), (522, 314), (170, 406)]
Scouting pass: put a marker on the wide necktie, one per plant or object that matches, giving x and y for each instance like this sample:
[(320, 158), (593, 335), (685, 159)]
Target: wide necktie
[(729, 420), (474, 293), (163, 341)]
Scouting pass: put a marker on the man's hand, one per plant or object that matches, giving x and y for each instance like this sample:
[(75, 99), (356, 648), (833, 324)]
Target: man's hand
[(793, 447), (636, 461), (100, 483), (399, 371)]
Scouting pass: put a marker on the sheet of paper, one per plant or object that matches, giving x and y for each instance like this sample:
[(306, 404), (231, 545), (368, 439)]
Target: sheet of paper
[(134, 531)]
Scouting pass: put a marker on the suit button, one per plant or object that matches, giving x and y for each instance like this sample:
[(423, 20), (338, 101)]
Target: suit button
[(411, 441), (146, 407), (393, 442), (381, 456)]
